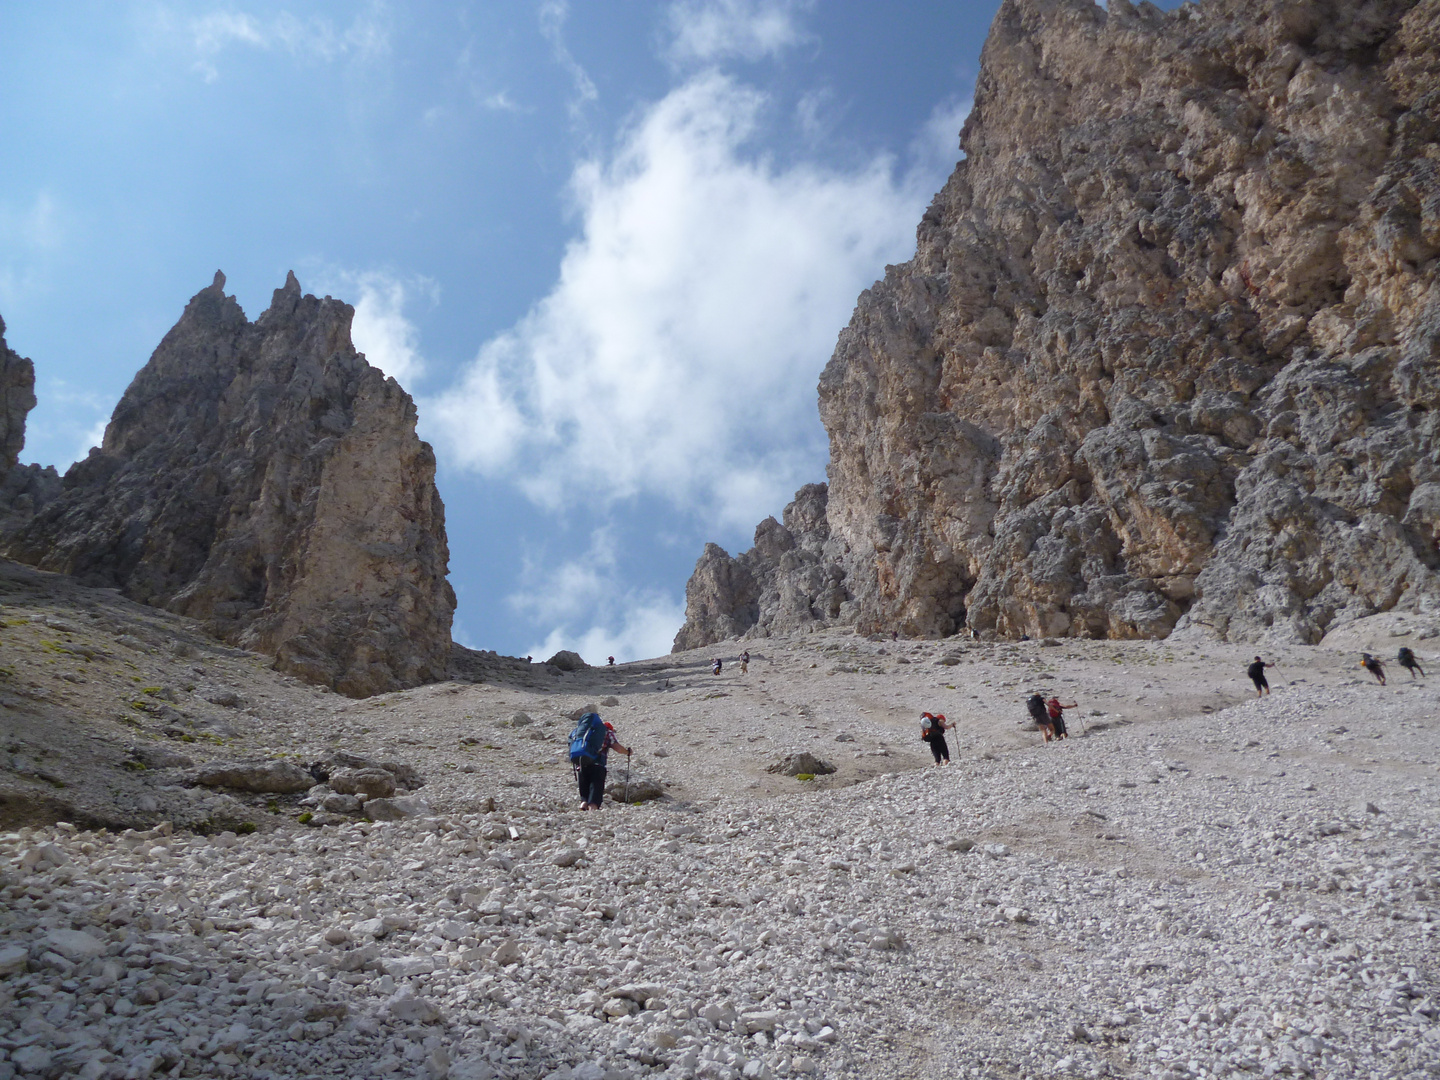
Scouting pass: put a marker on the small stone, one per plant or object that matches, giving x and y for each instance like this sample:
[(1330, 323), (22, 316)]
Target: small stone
[(74, 945), (31, 1059), (506, 953), (410, 1009), (12, 960), (337, 935), (397, 809), (407, 967), (373, 783), (567, 857)]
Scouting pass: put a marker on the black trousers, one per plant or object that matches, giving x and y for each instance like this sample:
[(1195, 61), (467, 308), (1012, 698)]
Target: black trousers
[(591, 778)]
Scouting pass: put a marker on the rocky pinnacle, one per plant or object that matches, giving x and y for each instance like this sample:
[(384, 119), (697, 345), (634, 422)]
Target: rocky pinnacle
[(264, 479)]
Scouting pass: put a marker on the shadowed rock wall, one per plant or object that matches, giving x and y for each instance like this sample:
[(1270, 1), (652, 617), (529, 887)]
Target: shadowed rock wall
[(264, 479), (1168, 353)]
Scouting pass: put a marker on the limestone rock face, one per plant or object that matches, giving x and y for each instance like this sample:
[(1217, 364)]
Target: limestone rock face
[(17, 398), (1168, 353), (789, 581), (264, 479), (23, 488)]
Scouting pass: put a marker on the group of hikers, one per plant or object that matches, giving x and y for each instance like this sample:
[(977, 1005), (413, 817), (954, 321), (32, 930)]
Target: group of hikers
[(717, 665), (594, 738), (1049, 715), (1405, 658)]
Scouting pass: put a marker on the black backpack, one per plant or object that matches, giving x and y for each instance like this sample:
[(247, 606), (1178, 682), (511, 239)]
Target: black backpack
[(1406, 657), (1036, 705)]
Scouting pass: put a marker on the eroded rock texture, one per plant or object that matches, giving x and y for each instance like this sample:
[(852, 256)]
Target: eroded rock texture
[(17, 398), (23, 488), (264, 479), (788, 581), (1168, 353)]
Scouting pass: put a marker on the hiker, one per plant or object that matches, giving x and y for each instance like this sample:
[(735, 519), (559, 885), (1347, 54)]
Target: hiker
[(590, 746), (1370, 664), (715, 666), (1036, 704), (1056, 712), (612, 662), (932, 731), (745, 662), (1256, 671), (1409, 663)]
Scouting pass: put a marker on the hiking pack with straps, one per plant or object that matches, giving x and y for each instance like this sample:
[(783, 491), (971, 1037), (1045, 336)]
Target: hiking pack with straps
[(930, 726), (1036, 705), (588, 739), (1406, 657)]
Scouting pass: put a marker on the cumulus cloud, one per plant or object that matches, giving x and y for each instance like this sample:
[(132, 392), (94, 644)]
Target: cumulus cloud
[(678, 352), (313, 37), (708, 31), (577, 591)]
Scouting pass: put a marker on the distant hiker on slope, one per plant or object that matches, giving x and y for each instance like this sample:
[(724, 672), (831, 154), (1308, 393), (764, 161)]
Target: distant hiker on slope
[(1056, 712), (590, 746), (715, 666), (745, 662), (932, 731), (1035, 703), (1370, 664), (1409, 663), (1256, 671)]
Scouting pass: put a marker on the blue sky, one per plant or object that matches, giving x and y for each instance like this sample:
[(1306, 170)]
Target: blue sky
[(607, 245)]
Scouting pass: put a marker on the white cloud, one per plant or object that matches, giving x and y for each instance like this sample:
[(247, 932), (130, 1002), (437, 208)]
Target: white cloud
[(381, 329), (938, 143), (707, 31), (577, 591), (553, 14), (314, 37), (677, 354), (500, 102), (66, 423), (646, 629), (32, 236)]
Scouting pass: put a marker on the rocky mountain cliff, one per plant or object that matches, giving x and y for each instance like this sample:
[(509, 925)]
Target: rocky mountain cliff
[(17, 398), (23, 488), (264, 479), (1168, 353)]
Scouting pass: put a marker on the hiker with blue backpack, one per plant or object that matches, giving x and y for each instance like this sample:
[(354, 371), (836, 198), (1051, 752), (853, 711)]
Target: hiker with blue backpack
[(590, 746)]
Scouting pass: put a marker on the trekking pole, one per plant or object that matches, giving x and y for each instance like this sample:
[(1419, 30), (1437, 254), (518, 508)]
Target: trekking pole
[(627, 779)]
